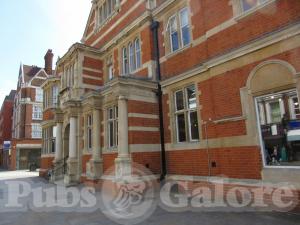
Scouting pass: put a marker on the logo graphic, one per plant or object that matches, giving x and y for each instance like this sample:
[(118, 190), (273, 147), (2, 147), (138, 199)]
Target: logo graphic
[(129, 199)]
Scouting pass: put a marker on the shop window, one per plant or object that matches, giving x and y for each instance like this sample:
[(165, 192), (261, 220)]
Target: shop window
[(186, 117), (279, 119), (112, 127)]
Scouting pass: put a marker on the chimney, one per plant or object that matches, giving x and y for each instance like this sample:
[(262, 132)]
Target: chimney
[(48, 62)]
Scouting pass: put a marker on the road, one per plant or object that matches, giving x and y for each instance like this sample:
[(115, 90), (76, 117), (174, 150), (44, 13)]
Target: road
[(159, 217)]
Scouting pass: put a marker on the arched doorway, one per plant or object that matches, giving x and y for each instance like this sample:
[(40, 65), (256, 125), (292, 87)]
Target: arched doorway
[(273, 86)]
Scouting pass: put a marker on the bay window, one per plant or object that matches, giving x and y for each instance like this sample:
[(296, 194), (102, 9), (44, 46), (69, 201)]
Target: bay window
[(186, 117)]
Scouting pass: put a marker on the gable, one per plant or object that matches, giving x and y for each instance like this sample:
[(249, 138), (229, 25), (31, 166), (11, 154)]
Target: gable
[(89, 28)]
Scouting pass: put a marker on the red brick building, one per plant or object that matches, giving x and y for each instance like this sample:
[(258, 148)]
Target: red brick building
[(6, 114), (228, 71), (27, 117)]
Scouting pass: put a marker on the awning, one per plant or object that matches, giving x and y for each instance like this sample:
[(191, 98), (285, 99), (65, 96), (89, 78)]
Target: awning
[(293, 135)]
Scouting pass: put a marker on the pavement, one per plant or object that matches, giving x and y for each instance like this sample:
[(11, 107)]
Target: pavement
[(159, 216)]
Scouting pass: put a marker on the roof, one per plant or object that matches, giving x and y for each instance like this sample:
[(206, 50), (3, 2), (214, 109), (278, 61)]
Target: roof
[(11, 96), (30, 72)]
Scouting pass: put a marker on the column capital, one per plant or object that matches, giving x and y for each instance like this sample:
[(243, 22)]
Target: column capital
[(122, 97)]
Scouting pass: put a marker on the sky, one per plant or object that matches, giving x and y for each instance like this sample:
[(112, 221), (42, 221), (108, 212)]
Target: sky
[(28, 28)]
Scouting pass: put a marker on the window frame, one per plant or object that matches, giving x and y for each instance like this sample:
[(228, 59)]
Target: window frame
[(186, 111), (114, 122), (125, 61), (89, 132), (137, 53)]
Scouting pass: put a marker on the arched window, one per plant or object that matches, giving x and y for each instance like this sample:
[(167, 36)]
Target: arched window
[(137, 52), (131, 57), (125, 60)]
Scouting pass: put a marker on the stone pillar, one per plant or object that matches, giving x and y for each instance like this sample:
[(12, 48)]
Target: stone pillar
[(94, 166), (123, 161), (72, 174), (58, 142), (58, 160), (72, 138)]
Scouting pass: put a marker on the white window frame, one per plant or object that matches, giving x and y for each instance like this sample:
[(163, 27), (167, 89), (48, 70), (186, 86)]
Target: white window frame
[(36, 131), (39, 95), (125, 61), (138, 55), (186, 111), (114, 121), (182, 26), (259, 3), (172, 32), (131, 57), (37, 114)]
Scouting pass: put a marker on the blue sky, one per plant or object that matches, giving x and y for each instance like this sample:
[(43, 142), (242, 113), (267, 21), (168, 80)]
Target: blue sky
[(30, 27)]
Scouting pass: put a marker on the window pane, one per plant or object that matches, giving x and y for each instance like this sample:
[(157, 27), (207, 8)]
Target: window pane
[(194, 126), (181, 128), (175, 42), (179, 100), (191, 94), (111, 113), (184, 17), (111, 134), (186, 35), (275, 112), (138, 53), (131, 57), (248, 4), (90, 138)]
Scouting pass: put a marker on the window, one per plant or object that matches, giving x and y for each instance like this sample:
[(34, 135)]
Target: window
[(294, 107), (185, 27), (39, 95), (137, 52), (151, 4), (249, 4), (186, 118), (36, 131), (112, 127), (173, 34), (54, 95), (125, 61), (37, 112), (179, 30), (89, 129), (131, 57)]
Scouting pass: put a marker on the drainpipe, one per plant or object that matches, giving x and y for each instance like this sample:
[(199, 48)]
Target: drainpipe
[(154, 28)]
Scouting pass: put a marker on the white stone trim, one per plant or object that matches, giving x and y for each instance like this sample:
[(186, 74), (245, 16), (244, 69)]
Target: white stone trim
[(145, 147), (28, 146), (92, 70), (142, 115), (144, 129), (91, 77), (249, 48)]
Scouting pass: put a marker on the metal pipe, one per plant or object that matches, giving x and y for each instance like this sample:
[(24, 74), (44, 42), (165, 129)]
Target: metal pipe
[(154, 28)]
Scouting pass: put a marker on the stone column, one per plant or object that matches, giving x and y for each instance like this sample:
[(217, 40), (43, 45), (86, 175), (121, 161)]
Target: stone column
[(58, 142), (123, 161), (72, 176), (94, 166), (72, 138)]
